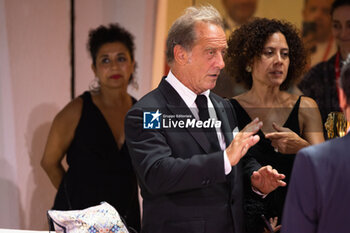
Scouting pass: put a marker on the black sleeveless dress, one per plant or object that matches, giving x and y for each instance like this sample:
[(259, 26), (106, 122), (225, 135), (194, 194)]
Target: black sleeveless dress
[(260, 155), (98, 170)]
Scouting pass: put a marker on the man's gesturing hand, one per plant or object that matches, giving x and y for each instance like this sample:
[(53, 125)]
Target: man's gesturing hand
[(267, 179), (243, 141)]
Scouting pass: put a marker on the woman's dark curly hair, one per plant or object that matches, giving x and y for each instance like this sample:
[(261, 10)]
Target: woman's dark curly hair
[(248, 41), (113, 33)]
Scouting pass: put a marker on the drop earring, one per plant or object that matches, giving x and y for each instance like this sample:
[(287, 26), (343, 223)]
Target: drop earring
[(248, 69), (95, 84)]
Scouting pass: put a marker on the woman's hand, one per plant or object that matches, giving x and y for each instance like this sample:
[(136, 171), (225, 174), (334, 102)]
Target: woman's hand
[(285, 140)]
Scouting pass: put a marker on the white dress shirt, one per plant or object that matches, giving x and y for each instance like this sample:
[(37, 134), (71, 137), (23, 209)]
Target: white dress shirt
[(189, 97)]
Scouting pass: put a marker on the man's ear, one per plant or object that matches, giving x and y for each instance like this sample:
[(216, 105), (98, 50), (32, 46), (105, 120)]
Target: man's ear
[(180, 55), (342, 99), (304, 12)]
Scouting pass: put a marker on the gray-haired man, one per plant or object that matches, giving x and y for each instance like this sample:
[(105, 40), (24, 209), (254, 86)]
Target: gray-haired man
[(180, 138)]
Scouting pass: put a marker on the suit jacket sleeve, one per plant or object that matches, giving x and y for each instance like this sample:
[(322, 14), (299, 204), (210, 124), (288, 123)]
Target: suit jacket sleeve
[(301, 206), (159, 168)]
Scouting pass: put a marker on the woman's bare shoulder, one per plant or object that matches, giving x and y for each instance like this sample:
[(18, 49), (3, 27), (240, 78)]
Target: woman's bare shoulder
[(71, 112), (307, 102)]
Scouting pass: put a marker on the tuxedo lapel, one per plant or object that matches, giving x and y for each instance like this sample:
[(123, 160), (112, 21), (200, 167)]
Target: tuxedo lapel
[(177, 106), (222, 116), (227, 131), (197, 134)]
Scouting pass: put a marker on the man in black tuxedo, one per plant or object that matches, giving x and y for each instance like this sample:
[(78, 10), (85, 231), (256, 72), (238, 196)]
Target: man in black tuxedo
[(181, 142), (318, 197)]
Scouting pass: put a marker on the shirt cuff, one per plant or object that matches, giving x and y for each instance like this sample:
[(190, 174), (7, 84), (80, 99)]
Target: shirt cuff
[(227, 164), (258, 192)]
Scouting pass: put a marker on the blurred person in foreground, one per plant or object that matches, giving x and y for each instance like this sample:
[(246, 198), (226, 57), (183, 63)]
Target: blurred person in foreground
[(317, 36), (318, 198), (268, 56), (90, 131), (190, 175), (320, 83)]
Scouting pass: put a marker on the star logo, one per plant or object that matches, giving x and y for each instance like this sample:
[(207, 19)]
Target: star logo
[(151, 120), (156, 115)]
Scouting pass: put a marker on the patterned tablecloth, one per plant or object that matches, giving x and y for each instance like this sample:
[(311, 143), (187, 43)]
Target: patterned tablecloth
[(20, 231)]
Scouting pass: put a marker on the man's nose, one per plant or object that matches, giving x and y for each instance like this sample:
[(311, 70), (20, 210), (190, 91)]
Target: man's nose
[(318, 13), (344, 34), (221, 62)]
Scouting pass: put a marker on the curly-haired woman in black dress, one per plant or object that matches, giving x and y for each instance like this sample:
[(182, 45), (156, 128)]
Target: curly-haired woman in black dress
[(267, 56)]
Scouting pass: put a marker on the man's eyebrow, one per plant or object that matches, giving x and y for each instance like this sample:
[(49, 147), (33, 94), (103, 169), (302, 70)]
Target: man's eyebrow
[(209, 48)]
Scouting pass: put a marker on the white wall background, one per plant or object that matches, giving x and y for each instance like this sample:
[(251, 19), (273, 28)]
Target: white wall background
[(35, 85)]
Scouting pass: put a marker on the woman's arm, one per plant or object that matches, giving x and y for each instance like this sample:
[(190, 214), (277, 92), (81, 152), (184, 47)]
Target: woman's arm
[(310, 121), (286, 141), (60, 137)]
